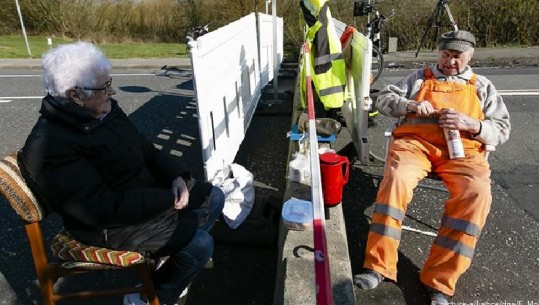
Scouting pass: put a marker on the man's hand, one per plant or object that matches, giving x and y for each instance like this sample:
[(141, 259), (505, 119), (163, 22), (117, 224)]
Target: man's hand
[(452, 119), (181, 193), (421, 109)]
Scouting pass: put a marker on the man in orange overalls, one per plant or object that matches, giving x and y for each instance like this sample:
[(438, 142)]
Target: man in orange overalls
[(443, 95)]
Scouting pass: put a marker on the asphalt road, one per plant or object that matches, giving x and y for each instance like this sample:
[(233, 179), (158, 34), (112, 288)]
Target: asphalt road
[(506, 266)]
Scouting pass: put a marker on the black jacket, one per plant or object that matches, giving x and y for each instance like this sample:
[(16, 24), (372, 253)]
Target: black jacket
[(99, 174)]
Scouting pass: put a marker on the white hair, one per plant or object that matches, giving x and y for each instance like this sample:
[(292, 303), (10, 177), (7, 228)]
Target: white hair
[(71, 65)]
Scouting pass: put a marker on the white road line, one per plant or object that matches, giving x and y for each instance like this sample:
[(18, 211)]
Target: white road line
[(21, 97), (519, 92), (524, 92), (7, 99), (133, 74), (20, 75), (532, 92), (39, 75)]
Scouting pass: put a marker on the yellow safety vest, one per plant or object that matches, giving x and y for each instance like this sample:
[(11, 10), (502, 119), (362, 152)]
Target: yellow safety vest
[(328, 68)]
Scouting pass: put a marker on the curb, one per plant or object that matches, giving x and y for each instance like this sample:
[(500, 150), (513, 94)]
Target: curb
[(295, 278), (34, 64)]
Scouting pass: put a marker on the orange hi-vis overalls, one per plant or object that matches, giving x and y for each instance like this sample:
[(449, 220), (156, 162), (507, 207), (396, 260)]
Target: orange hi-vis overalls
[(419, 147)]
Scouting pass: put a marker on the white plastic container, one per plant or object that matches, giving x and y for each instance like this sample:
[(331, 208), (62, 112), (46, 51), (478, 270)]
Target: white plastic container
[(299, 169), (297, 214), (454, 143)]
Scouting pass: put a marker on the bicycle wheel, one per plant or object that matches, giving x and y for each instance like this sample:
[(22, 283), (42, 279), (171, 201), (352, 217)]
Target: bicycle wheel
[(377, 65)]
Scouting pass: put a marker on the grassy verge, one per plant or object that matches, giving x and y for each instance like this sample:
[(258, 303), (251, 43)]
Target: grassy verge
[(15, 47)]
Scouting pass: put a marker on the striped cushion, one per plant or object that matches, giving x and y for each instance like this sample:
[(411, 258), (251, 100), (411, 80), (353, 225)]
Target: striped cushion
[(17, 193), (68, 249), (85, 266)]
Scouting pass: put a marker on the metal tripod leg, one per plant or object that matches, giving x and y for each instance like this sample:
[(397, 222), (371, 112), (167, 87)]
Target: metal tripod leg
[(432, 23), (435, 22), (437, 27), (451, 19), (439, 23)]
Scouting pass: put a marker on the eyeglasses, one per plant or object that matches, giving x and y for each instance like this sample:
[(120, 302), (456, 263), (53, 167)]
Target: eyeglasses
[(104, 89)]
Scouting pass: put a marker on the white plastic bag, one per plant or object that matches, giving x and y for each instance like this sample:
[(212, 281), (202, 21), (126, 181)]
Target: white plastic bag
[(237, 184)]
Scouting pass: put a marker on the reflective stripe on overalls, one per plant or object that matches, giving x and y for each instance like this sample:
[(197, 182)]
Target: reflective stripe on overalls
[(418, 148)]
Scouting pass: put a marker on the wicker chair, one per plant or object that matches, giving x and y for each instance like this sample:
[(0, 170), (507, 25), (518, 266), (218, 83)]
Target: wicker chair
[(73, 257)]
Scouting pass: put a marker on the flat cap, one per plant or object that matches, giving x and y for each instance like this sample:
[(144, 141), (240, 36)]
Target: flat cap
[(457, 40)]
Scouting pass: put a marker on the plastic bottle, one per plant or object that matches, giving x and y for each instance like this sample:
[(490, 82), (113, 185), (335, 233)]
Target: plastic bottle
[(454, 143)]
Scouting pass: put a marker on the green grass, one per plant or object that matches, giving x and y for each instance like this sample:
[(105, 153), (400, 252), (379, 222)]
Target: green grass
[(15, 47)]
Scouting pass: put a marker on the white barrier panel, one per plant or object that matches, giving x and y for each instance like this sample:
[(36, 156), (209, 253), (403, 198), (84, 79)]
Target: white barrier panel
[(265, 38), (356, 108), (226, 78)]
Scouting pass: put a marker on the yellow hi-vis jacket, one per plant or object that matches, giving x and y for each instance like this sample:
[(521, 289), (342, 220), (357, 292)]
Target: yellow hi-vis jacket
[(328, 67)]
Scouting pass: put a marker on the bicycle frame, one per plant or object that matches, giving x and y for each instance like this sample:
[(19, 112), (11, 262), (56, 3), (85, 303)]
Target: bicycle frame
[(197, 32), (374, 28)]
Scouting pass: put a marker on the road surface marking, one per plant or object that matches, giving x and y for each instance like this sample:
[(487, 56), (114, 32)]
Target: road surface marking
[(519, 92), (523, 92), (7, 99), (39, 75)]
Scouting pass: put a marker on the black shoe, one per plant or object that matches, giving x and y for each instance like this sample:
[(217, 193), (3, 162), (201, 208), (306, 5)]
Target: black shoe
[(437, 297)]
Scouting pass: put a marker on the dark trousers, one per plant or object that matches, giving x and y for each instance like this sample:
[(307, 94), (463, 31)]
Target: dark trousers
[(183, 265)]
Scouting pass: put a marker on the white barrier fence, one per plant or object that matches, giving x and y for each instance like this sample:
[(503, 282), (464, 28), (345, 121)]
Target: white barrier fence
[(228, 82), (358, 103), (265, 38)]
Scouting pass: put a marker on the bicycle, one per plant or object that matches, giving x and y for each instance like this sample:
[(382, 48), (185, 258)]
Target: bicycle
[(195, 33), (374, 27)]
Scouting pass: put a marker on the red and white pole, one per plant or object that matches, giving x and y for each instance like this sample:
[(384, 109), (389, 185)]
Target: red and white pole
[(321, 258)]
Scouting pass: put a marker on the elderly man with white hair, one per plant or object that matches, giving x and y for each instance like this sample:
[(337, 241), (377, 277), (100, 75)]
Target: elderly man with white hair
[(445, 95)]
